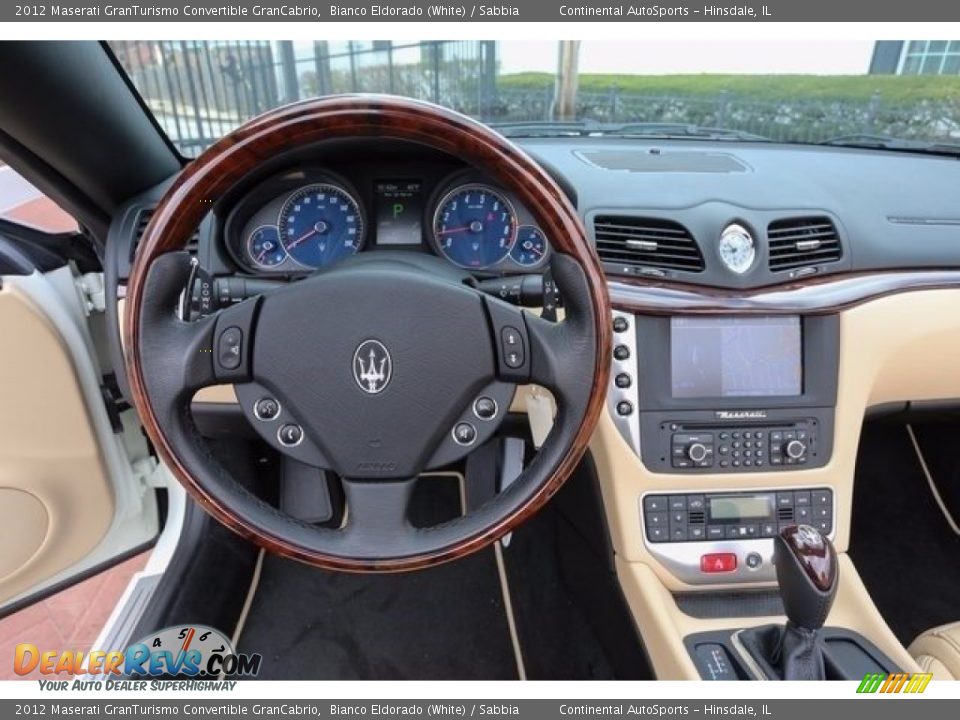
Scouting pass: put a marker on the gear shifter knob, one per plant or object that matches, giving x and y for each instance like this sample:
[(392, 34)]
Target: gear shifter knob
[(806, 566)]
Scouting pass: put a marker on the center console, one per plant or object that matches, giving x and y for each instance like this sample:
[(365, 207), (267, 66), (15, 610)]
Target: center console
[(726, 396), (724, 430)]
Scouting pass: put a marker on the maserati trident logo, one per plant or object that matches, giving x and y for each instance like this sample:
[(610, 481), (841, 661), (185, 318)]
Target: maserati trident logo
[(372, 366)]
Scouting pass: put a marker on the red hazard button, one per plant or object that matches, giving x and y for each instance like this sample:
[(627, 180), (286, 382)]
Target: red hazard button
[(718, 562)]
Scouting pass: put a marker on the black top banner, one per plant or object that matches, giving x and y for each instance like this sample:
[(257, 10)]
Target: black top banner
[(510, 10)]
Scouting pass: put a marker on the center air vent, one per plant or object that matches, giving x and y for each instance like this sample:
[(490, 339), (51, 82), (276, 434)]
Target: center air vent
[(800, 242), (143, 219), (626, 243)]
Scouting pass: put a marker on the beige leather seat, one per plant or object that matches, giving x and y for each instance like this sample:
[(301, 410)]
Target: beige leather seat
[(937, 651)]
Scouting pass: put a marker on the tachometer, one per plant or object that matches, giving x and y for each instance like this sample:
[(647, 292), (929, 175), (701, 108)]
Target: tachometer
[(474, 226), (264, 248), (320, 224)]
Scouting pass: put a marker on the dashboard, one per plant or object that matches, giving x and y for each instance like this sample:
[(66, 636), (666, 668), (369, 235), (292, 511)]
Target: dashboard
[(750, 283)]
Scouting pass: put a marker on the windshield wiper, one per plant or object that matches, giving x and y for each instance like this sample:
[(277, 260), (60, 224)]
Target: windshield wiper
[(586, 128), (883, 142)]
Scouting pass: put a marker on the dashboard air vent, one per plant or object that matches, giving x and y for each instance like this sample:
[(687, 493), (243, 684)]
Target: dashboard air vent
[(799, 242), (143, 219), (644, 242)]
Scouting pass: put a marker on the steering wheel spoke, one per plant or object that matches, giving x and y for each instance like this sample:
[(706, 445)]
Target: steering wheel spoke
[(377, 511)]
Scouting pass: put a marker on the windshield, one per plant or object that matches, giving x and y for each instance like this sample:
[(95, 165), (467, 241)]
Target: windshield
[(849, 92)]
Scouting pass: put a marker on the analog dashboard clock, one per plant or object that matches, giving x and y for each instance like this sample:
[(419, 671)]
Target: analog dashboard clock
[(737, 248)]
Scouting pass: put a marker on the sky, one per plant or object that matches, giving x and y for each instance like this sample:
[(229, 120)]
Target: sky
[(657, 57)]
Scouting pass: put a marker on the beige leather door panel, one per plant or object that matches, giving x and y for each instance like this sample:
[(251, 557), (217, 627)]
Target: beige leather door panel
[(59, 471)]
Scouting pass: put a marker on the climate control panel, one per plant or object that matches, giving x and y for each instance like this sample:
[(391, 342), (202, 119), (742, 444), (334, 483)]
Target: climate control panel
[(726, 536)]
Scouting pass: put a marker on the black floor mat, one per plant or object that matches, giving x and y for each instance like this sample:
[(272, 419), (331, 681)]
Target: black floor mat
[(443, 623), (556, 638), (903, 548)]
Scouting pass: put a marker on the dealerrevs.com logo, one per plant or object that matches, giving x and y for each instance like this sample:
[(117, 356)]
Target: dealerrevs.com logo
[(185, 651)]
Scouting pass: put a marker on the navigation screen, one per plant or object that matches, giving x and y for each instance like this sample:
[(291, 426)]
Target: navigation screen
[(399, 212), (735, 357)]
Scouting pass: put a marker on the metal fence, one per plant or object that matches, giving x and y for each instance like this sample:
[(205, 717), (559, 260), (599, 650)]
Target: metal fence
[(201, 90)]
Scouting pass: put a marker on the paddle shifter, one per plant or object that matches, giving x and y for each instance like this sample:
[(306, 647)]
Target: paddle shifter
[(806, 566)]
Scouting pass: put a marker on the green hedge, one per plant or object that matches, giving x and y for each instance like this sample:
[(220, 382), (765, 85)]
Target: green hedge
[(908, 89)]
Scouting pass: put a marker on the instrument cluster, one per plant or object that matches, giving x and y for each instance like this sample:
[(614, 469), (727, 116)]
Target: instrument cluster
[(302, 221)]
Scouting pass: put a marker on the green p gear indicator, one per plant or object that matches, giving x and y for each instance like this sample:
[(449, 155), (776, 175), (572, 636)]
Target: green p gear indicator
[(399, 208)]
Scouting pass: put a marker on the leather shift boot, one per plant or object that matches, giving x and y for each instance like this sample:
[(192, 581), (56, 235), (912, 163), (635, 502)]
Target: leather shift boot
[(786, 652)]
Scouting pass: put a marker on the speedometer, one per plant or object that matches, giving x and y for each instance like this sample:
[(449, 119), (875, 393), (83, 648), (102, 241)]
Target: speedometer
[(320, 224), (474, 226)]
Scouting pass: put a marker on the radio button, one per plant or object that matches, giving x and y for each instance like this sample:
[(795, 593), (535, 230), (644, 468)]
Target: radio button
[(718, 562), (794, 450), (697, 452)]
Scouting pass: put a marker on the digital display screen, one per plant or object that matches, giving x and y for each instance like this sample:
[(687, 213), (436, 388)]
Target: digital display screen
[(735, 357), (749, 507), (399, 207)]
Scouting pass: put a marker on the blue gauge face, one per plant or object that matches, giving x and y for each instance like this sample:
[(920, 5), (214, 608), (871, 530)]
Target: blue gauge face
[(264, 248), (474, 227), (531, 246), (320, 224)]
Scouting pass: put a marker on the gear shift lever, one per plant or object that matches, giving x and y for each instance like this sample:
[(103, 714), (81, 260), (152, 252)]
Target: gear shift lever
[(806, 566)]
